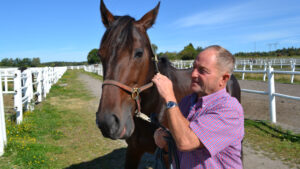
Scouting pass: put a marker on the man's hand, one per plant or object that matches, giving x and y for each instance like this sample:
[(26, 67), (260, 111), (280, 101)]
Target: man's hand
[(159, 139), (164, 87)]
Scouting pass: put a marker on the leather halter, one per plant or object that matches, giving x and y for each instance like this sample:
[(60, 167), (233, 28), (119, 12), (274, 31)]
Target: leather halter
[(135, 92)]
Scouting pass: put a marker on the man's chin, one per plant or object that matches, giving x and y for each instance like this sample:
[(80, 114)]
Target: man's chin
[(196, 89)]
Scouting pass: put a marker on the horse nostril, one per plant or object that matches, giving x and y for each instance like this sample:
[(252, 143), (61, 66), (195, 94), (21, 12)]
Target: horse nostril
[(109, 125)]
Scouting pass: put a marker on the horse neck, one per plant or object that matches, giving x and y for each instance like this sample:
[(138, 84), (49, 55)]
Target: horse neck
[(181, 80), (152, 102)]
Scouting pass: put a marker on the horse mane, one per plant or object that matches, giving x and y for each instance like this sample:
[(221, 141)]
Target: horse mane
[(119, 33), (166, 67)]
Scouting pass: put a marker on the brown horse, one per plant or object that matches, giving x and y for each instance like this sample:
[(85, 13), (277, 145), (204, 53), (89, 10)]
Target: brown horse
[(126, 55)]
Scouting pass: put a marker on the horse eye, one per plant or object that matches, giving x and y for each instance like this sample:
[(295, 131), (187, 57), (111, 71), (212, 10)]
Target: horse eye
[(138, 53)]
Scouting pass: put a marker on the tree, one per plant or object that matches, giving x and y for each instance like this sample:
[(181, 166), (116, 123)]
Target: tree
[(188, 53), (93, 57), (35, 62), (154, 48), (199, 49)]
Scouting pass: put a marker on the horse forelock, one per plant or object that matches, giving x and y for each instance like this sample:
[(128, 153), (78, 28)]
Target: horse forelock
[(119, 34)]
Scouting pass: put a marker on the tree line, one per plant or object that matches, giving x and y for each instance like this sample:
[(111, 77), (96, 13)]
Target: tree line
[(277, 53), (34, 62)]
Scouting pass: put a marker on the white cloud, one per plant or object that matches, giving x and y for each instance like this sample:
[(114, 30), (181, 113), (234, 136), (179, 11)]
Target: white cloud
[(217, 16), (237, 13)]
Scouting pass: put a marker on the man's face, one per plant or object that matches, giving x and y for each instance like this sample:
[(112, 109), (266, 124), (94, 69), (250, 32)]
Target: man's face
[(206, 76)]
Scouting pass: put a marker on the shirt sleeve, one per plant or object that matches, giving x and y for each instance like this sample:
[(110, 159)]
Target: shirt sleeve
[(184, 105), (219, 127)]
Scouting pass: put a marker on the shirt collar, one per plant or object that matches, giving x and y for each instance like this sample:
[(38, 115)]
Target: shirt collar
[(202, 101)]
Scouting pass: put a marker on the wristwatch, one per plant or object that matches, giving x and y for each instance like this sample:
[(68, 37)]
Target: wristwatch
[(171, 104)]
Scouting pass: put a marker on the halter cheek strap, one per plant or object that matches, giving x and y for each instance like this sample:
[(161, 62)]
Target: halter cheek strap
[(135, 95)]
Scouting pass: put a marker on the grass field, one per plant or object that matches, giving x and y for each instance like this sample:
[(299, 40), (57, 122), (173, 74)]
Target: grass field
[(273, 141), (61, 133)]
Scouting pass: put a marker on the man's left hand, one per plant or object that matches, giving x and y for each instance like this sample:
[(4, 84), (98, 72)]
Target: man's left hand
[(164, 86)]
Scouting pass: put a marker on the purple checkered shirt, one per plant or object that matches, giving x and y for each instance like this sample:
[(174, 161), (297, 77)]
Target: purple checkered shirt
[(218, 121)]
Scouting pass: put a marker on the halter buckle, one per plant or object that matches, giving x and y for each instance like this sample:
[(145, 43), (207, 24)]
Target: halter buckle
[(135, 93)]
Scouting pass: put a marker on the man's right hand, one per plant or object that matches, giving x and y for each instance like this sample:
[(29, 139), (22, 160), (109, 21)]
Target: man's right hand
[(159, 135)]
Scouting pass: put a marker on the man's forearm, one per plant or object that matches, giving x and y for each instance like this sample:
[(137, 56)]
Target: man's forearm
[(185, 138)]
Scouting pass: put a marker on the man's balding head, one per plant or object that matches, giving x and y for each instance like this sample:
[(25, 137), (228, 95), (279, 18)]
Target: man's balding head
[(225, 60)]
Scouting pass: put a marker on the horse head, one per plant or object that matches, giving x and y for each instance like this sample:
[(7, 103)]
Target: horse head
[(126, 56)]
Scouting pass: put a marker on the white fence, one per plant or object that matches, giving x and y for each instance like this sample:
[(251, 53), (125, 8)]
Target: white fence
[(271, 92), (273, 62), (29, 86), (96, 68), (285, 64)]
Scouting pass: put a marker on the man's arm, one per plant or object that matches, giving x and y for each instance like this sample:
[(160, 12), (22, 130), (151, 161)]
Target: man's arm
[(185, 138)]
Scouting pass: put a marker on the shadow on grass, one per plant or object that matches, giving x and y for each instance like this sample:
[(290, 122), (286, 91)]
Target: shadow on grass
[(113, 160), (273, 130)]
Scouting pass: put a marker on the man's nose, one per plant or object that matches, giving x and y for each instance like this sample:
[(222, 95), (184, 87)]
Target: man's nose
[(194, 73)]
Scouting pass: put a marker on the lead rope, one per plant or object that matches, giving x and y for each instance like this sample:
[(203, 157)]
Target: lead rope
[(159, 161), (159, 153)]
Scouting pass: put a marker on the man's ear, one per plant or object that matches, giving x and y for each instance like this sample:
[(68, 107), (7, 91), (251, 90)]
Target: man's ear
[(225, 79)]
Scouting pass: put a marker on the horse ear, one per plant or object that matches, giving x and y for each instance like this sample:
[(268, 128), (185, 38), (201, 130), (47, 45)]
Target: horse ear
[(107, 17), (149, 18)]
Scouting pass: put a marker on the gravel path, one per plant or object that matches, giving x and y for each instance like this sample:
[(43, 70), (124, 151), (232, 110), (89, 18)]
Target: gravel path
[(252, 159)]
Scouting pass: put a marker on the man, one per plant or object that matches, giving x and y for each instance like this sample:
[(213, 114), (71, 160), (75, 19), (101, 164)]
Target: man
[(208, 125)]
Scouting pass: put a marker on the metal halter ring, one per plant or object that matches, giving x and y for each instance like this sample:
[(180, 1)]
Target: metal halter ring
[(135, 93)]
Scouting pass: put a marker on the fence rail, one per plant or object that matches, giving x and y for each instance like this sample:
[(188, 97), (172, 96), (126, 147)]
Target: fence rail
[(271, 91), (29, 87)]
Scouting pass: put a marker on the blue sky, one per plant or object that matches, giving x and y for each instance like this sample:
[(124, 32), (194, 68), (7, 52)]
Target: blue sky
[(66, 30)]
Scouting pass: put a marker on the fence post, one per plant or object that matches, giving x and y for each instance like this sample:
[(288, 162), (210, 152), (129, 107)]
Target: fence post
[(293, 65), (265, 74), (272, 101), (39, 85), (18, 96), (244, 68), (5, 80), (3, 138), (29, 89)]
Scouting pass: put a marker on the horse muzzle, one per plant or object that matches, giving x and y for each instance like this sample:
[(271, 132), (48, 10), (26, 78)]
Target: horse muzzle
[(114, 128)]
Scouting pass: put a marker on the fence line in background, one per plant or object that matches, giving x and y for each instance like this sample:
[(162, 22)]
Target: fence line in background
[(29, 87), (96, 68), (271, 91), (290, 64)]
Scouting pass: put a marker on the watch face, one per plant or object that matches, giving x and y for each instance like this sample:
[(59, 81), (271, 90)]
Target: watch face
[(171, 104)]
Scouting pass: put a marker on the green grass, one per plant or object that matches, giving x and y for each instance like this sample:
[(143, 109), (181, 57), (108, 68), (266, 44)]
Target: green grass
[(94, 75), (273, 141)]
